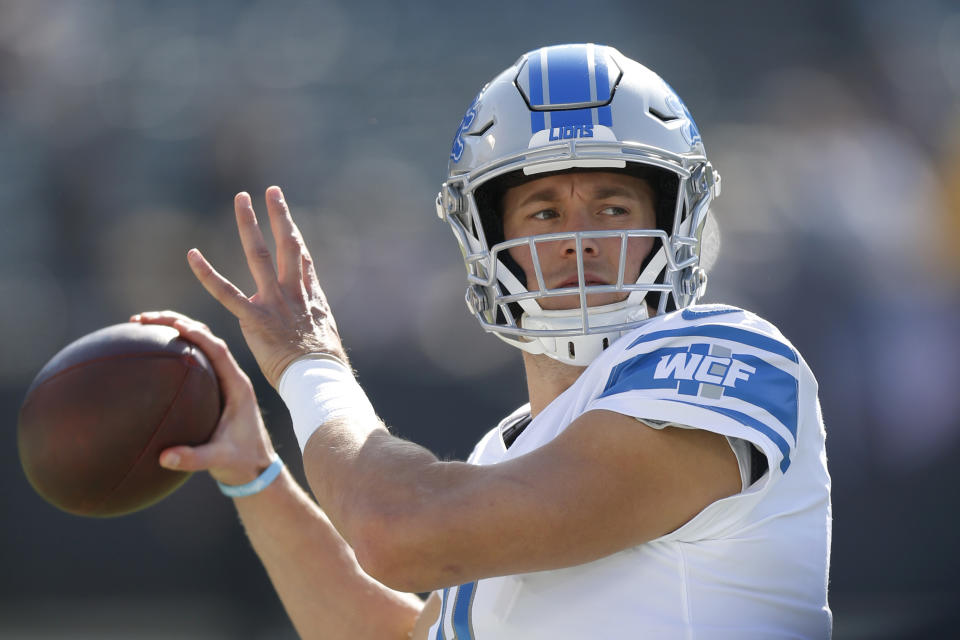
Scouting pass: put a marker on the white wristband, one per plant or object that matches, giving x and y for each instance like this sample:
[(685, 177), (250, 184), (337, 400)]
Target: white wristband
[(318, 388)]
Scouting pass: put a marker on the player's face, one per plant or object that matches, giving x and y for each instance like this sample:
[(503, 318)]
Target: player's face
[(588, 201)]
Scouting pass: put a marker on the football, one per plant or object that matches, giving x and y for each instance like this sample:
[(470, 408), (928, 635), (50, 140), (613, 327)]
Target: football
[(99, 413)]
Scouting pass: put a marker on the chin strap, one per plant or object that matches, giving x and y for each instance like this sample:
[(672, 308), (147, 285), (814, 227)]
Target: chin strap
[(579, 351)]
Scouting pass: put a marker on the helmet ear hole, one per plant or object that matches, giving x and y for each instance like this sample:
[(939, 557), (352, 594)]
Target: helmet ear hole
[(489, 199)]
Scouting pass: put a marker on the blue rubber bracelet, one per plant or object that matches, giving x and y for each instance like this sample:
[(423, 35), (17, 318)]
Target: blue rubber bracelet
[(257, 485)]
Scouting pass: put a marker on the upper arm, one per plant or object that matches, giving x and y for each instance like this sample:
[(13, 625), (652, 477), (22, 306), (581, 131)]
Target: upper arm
[(606, 483)]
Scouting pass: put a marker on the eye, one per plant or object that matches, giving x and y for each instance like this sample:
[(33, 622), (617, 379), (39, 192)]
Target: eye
[(614, 211), (545, 214)]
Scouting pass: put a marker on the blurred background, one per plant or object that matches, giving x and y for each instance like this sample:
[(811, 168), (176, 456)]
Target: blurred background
[(127, 127)]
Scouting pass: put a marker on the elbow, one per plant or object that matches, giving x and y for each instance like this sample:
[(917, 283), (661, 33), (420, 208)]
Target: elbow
[(384, 563), (403, 535), (394, 549)]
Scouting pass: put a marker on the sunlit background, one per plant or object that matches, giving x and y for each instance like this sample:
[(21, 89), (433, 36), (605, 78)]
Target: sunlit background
[(126, 127)]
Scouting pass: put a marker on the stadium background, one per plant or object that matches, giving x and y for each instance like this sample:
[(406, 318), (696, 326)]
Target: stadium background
[(126, 128)]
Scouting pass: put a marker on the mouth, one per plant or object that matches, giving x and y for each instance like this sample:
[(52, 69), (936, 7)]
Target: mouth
[(589, 279)]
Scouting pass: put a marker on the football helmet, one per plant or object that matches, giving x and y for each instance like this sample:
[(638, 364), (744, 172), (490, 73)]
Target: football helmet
[(568, 108)]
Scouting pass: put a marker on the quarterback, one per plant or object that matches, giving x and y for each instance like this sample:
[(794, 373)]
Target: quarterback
[(667, 478)]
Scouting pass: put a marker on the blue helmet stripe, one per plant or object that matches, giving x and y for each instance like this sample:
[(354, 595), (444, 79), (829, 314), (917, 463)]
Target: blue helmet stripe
[(569, 75), (568, 117), (537, 122), (604, 116)]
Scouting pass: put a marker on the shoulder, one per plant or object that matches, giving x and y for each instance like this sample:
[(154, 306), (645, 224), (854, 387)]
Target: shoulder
[(705, 330), (719, 321), (713, 367)]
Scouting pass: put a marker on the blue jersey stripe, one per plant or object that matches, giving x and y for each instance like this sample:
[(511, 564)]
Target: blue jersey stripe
[(569, 75), (443, 613), (771, 389), (537, 121), (723, 333), (763, 385), (637, 373), (462, 628), (751, 422)]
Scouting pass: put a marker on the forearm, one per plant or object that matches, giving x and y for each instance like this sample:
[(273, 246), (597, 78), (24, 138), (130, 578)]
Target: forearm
[(375, 488), (383, 494), (356, 468), (315, 572)]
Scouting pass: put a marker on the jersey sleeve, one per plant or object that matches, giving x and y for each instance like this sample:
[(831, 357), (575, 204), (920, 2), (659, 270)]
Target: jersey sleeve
[(737, 379)]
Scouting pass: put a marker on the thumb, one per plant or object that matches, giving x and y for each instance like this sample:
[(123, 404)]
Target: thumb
[(185, 458)]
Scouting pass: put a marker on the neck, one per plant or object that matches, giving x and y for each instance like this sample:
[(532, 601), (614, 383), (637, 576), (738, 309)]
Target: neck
[(547, 379)]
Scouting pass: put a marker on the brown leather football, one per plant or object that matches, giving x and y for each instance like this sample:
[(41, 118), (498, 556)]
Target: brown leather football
[(100, 412)]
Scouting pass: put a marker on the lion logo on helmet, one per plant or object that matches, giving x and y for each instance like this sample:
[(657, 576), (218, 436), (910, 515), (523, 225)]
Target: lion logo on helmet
[(468, 118), (689, 130)]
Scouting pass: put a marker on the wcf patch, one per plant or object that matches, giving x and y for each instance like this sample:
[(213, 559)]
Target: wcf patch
[(703, 370)]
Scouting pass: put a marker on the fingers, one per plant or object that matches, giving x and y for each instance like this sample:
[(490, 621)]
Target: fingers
[(234, 381), (223, 291), (259, 259), (166, 317), (232, 378), (290, 246)]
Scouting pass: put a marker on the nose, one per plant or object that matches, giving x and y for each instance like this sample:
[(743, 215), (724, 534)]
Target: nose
[(579, 220), (589, 245)]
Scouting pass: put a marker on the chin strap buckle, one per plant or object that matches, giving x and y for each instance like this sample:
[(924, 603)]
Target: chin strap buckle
[(694, 282), (713, 180), (449, 201), (476, 299)]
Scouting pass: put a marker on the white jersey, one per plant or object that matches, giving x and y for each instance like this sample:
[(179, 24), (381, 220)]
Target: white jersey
[(753, 565)]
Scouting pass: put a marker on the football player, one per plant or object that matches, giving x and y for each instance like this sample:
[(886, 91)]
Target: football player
[(668, 476)]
